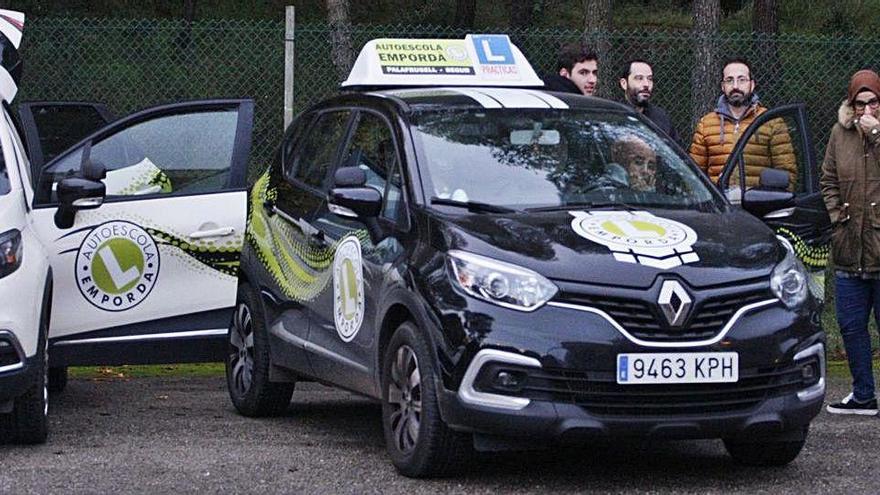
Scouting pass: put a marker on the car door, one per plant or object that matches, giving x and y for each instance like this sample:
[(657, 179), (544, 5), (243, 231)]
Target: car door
[(345, 325), (151, 274), (283, 231), (783, 135)]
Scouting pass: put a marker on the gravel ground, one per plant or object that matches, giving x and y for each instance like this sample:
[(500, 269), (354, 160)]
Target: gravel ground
[(182, 435)]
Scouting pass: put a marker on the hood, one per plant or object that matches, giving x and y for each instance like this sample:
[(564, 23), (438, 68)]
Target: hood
[(555, 82), (577, 246), (846, 115)]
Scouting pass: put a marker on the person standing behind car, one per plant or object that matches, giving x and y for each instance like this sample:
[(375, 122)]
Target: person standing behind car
[(718, 131), (637, 83), (580, 65), (851, 190)]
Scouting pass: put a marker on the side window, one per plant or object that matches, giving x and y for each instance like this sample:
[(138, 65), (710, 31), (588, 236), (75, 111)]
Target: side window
[(372, 149), (313, 160), (62, 126), (777, 144), (188, 153), (292, 139)]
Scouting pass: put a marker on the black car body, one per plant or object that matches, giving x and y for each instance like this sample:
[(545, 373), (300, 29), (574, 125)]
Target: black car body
[(492, 373)]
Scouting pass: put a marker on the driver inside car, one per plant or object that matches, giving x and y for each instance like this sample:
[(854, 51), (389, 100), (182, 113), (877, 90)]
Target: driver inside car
[(638, 163)]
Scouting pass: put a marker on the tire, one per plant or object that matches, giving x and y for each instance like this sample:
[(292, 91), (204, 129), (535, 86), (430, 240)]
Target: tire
[(30, 412), (247, 361), (419, 442), (57, 379), (765, 453)]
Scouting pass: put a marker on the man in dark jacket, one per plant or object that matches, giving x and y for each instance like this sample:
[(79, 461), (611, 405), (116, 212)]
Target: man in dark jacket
[(637, 83), (851, 190)]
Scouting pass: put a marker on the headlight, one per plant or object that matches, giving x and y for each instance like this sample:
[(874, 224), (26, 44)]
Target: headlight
[(498, 282), (789, 279), (10, 252)]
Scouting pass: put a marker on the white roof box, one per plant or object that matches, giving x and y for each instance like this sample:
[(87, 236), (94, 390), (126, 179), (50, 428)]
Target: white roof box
[(477, 60)]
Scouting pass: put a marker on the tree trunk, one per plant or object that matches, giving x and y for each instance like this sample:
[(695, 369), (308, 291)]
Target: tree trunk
[(189, 10), (765, 27), (341, 51), (597, 28), (465, 13), (704, 78)]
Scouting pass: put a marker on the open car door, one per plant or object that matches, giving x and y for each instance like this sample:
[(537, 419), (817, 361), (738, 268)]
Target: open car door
[(773, 173), (144, 221)]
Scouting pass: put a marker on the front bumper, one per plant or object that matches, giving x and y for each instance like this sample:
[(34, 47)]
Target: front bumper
[(17, 372), (566, 388)]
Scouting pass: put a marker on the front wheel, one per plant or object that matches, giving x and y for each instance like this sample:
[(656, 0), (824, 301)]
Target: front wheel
[(419, 442), (57, 379), (247, 361), (765, 452), (30, 413)]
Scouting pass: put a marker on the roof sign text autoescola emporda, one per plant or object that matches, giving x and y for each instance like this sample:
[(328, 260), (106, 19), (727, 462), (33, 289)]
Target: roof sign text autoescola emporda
[(477, 60)]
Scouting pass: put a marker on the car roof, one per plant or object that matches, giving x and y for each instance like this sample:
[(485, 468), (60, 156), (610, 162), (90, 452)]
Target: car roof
[(407, 100)]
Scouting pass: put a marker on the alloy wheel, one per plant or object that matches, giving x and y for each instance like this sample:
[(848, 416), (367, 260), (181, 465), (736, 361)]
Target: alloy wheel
[(405, 399), (241, 349)]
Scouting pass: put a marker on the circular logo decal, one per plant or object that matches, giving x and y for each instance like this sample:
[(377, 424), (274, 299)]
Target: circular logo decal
[(639, 237), (348, 288), (117, 265)]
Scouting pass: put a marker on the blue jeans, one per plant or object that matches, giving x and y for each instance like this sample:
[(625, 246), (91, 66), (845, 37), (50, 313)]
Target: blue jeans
[(854, 298)]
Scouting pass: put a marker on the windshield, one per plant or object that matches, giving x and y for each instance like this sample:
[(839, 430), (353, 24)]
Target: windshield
[(543, 158)]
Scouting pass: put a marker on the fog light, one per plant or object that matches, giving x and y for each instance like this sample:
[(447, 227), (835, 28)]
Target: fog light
[(508, 380)]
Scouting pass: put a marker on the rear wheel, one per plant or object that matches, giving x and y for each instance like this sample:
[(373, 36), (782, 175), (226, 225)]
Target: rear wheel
[(418, 441), (766, 452), (247, 361)]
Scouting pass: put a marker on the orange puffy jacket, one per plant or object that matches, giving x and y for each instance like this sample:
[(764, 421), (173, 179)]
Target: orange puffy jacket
[(718, 132)]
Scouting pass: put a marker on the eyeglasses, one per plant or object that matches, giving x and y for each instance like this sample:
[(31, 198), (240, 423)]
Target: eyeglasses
[(860, 105), (739, 80)]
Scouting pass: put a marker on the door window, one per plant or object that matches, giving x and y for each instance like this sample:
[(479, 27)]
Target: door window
[(317, 155), (4, 177), (62, 126), (372, 149), (184, 153), (778, 144)]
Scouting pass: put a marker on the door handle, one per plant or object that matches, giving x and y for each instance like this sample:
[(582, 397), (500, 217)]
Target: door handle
[(221, 232)]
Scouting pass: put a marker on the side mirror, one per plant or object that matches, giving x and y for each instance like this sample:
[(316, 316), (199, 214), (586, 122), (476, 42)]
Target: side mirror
[(74, 194), (772, 178), (760, 202), (93, 171), (349, 177), (353, 202)]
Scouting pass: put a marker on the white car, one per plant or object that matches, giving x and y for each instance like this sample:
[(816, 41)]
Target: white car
[(119, 241)]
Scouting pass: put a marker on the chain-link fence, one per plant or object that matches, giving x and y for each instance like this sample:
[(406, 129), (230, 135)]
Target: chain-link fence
[(132, 64)]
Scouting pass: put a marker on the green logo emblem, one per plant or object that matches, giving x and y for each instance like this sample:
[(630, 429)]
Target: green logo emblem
[(348, 288), (117, 266)]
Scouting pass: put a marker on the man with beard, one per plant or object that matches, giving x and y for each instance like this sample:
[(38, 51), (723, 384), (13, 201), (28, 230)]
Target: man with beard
[(718, 131), (637, 83)]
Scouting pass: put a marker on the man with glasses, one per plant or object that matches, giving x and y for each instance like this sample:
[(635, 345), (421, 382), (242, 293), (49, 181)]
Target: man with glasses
[(718, 131), (851, 190)]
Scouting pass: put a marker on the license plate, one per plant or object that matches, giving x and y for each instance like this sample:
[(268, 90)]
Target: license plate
[(691, 367)]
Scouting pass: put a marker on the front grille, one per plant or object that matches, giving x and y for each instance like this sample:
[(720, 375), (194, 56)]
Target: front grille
[(598, 392), (643, 319)]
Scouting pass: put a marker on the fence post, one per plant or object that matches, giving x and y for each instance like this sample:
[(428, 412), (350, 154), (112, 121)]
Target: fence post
[(289, 28)]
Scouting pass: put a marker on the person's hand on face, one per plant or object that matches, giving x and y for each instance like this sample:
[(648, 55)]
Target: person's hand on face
[(866, 105)]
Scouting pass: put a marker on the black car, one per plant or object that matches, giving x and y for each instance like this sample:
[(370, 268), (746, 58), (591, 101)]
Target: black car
[(511, 267)]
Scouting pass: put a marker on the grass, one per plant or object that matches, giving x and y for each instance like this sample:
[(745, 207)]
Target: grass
[(147, 371)]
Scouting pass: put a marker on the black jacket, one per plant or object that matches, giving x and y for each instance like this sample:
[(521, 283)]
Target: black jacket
[(661, 118)]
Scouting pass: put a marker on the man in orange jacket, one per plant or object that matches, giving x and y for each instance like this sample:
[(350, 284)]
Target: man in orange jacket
[(718, 132)]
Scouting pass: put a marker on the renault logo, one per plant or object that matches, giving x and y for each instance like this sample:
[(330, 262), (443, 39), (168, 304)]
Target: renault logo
[(675, 302)]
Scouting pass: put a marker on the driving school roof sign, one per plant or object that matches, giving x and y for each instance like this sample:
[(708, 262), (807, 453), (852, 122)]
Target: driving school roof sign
[(477, 60)]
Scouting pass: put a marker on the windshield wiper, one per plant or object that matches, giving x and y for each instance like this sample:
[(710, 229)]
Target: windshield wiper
[(474, 206), (586, 204)]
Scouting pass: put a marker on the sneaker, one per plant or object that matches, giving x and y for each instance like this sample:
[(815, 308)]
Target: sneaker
[(849, 406)]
